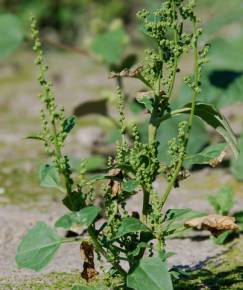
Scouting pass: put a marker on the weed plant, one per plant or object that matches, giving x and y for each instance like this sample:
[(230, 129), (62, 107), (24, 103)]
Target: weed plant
[(132, 243)]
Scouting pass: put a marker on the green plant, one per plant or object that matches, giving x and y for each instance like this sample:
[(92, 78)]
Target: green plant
[(138, 239)]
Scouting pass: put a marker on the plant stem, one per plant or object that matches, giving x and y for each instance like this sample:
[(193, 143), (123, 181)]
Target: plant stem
[(190, 120), (100, 249)]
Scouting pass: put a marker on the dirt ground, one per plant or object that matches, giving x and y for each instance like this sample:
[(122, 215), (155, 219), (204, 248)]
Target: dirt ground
[(23, 202)]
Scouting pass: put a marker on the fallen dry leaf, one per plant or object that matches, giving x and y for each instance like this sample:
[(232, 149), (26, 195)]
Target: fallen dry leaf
[(87, 255), (214, 223)]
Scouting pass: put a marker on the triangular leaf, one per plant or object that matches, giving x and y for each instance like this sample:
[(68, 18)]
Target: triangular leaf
[(210, 155), (49, 176), (130, 225), (151, 273), (38, 247), (84, 217)]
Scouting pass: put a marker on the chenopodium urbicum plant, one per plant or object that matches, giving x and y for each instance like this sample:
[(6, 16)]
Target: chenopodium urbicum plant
[(132, 243)]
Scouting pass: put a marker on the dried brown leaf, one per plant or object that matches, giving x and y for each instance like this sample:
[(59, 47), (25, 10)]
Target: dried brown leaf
[(87, 255), (115, 185), (127, 73), (215, 223)]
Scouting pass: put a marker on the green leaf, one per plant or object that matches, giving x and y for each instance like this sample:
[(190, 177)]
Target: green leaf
[(110, 45), (49, 176), (222, 20), (136, 251), (212, 117), (151, 273), (223, 201), (69, 123), (146, 101), (208, 155), (130, 225), (84, 217), (73, 201), (233, 93), (130, 185), (222, 238), (225, 53), (38, 247), (35, 137), (11, 34), (95, 162), (182, 214), (237, 164)]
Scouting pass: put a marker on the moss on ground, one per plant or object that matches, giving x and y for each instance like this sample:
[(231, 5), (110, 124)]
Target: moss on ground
[(224, 272), (52, 281)]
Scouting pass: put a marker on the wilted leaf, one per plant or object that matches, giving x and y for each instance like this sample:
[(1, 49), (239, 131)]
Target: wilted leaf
[(38, 247), (215, 223), (151, 273), (11, 33), (87, 255), (223, 200), (115, 181)]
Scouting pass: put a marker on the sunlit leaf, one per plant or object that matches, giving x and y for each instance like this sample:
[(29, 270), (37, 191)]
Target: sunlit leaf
[(85, 217), (212, 155), (38, 247), (151, 273), (49, 176)]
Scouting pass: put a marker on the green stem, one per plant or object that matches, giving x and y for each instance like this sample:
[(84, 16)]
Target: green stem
[(100, 250), (190, 120), (59, 156)]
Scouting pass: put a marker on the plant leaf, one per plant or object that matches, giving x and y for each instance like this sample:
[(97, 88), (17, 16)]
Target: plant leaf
[(130, 225), (38, 247), (49, 176), (69, 123), (212, 155), (222, 201), (237, 164), (73, 201), (84, 217), (182, 214), (151, 273), (130, 185), (222, 238), (212, 117), (11, 34), (110, 45)]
